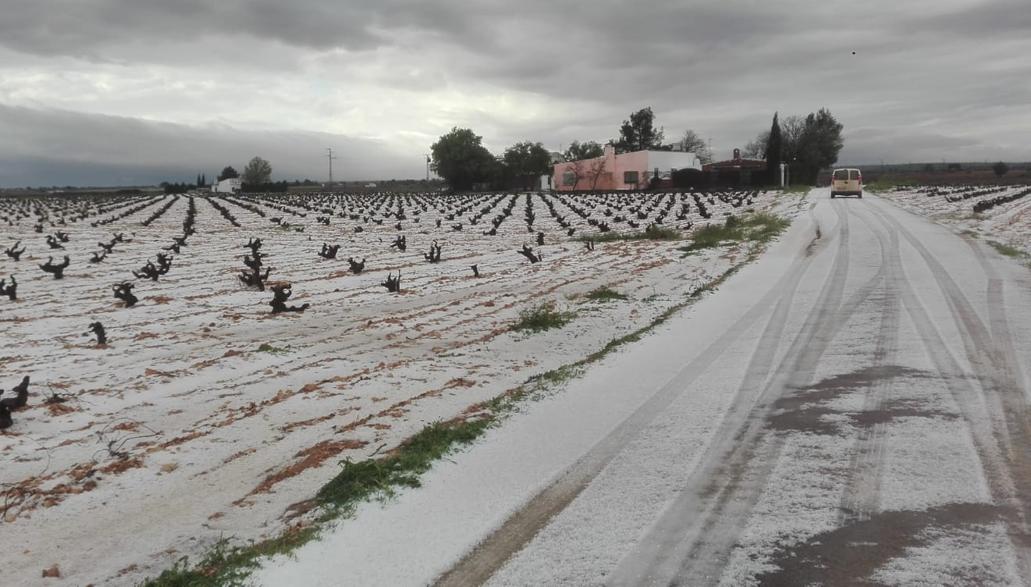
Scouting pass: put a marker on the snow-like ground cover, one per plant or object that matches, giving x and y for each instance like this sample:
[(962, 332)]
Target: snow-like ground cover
[(208, 417), (843, 412), (1007, 223)]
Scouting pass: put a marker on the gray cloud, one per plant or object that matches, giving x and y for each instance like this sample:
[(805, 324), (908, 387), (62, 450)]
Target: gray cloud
[(923, 72), (54, 147)]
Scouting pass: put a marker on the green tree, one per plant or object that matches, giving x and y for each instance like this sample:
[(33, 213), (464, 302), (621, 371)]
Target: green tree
[(228, 173), (527, 161), (774, 150), (1000, 169), (257, 172), (578, 151), (528, 158), (461, 159), (639, 133), (818, 146)]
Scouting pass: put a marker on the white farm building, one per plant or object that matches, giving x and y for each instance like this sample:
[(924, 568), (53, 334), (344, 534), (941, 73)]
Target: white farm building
[(227, 186)]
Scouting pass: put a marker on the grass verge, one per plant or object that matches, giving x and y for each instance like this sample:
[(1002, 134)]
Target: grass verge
[(758, 228), (542, 317), (652, 233), (604, 294), (378, 478), (1007, 250), (796, 189)]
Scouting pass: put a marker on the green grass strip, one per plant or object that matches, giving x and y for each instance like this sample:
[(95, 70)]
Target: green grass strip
[(652, 233), (758, 228)]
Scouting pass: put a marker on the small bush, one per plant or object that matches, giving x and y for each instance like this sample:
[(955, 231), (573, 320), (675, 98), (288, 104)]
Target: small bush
[(756, 228), (542, 317), (267, 348), (603, 293), (710, 236)]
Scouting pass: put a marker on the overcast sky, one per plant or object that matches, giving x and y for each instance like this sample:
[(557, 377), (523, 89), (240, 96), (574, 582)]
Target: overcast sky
[(109, 92)]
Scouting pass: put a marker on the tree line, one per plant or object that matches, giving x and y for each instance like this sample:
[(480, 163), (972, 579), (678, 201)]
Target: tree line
[(257, 177), (460, 158), (806, 144)]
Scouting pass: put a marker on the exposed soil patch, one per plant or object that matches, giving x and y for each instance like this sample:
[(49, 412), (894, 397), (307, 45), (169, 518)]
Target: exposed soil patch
[(849, 555), (806, 409)]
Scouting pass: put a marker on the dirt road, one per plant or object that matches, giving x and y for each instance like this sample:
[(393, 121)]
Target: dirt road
[(878, 432), (856, 413)]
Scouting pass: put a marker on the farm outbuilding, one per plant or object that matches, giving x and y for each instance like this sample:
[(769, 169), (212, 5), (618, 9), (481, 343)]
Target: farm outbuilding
[(623, 171), (227, 186), (737, 171)]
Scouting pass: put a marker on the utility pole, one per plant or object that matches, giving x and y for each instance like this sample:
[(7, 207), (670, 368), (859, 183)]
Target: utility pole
[(331, 157)]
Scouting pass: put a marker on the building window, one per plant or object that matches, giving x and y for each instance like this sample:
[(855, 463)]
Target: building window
[(630, 177), (569, 178)]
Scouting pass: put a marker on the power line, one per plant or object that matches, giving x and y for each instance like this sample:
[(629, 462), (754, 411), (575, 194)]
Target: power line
[(331, 157)]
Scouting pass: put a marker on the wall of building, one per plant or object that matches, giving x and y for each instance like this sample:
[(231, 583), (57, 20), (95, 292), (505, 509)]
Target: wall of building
[(227, 186), (626, 171), (667, 161)]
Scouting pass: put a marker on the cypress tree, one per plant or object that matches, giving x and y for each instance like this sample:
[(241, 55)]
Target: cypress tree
[(774, 151)]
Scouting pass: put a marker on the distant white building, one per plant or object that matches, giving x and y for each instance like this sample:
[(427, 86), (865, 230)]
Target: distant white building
[(227, 186)]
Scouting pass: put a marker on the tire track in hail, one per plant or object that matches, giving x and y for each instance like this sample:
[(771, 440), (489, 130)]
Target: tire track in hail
[(482, 562), (984, 406), (754, 453), (861, 497), (667, 550)]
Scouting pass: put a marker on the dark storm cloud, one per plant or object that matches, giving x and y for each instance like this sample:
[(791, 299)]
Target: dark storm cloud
[(90, 27), (917, 79), (626, 30), (54, 147)]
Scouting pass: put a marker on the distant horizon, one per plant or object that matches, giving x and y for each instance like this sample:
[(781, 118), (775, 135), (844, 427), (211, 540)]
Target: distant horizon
[(1024, 163)]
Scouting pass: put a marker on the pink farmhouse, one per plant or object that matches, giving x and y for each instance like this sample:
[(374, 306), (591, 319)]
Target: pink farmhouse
[(626, 171)]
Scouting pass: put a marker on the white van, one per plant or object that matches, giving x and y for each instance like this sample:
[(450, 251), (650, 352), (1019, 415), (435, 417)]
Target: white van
[(847, 182)]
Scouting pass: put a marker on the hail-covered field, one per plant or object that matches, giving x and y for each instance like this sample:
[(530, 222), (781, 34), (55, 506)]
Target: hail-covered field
[(1002, 213), (206, 415)]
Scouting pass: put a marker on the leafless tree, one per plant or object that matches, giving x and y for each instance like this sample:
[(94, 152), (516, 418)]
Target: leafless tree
[(596, 170), (690, 142)]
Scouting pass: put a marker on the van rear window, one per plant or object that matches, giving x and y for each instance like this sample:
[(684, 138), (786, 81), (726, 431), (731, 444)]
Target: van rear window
[(841, 174), (853, 174)]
